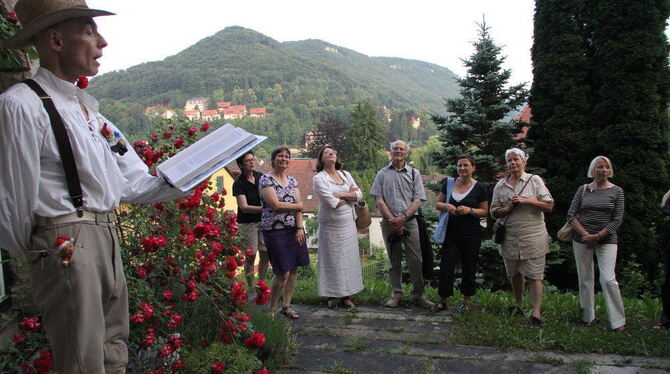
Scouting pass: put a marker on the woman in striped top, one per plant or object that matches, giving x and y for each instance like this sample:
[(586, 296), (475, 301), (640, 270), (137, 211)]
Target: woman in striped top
[(595, 214)]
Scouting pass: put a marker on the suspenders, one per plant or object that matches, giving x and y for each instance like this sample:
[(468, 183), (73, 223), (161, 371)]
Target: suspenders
[(64, 147)]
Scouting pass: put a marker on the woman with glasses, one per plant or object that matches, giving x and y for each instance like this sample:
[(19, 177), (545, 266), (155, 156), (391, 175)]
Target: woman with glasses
[(245, 190)]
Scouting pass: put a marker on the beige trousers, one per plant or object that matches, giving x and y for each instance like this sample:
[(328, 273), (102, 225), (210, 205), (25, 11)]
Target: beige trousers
[(84, 305), (606, 255), (412, 246)]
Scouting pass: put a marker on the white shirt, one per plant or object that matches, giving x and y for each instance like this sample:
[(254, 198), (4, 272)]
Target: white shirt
[(33, 180)]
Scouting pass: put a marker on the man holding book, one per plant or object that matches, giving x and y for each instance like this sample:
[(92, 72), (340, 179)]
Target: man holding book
[(57, 197)]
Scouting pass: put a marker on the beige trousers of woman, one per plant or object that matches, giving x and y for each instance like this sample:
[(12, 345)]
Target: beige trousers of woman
[(606, 255)]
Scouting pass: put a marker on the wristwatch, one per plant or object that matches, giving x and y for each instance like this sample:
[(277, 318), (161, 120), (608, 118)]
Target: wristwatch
[(300, 228)]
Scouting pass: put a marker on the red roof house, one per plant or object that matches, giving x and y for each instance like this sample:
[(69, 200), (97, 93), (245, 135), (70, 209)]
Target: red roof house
[(192, 114), (525, 116), (257, 112)]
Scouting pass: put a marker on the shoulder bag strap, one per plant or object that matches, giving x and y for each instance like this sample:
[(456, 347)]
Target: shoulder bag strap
[(520, 191), (64, 147)]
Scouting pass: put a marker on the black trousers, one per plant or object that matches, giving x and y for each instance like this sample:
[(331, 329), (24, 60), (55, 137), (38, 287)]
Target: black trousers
[(464, 246), (664, 244)]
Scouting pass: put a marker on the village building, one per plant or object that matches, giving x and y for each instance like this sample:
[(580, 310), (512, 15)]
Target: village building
[(192, 114), (257, 112), (196, 103), (210, 115)]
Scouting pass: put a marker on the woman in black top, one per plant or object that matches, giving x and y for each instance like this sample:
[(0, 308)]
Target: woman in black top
[(466, 204), (245, 190)]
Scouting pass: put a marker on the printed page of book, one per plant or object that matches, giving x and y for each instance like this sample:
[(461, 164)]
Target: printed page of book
[(182, 169), (190, 184), (181, 164)]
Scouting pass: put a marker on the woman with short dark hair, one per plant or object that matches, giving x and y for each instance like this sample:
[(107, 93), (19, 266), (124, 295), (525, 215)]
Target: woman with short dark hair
[(466, 203), (245, 190), (283, 229)]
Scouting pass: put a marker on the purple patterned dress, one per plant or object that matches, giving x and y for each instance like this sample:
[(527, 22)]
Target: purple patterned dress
[(279, 228)]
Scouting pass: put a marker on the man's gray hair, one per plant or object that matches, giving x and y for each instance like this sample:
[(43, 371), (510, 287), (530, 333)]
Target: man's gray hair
[(518, 152), (393, 143)]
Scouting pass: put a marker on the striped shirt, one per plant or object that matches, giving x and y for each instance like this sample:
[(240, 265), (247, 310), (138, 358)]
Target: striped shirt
[(597, 210)]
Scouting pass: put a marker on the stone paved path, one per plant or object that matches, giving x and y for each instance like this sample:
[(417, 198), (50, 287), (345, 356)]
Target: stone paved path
[(412, 340)]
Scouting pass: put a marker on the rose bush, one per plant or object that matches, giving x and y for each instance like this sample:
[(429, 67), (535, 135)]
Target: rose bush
[(181, 261)]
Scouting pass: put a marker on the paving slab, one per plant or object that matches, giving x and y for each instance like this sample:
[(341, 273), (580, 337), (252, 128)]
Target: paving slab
[(479, 366), (374, 339), (624, 370), (357, 361)]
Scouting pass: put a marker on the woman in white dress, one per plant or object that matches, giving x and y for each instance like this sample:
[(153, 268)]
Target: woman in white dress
[(339, 260)]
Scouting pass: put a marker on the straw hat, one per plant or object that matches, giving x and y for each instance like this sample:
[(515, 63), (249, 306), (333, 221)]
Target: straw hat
[(37, 15)]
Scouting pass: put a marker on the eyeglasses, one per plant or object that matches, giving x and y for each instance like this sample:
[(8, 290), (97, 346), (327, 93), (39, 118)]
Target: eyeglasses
[(249, 160), (330, 152)]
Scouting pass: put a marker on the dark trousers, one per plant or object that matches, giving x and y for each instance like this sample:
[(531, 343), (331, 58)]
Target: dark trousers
[(664, 244), (464, 246)]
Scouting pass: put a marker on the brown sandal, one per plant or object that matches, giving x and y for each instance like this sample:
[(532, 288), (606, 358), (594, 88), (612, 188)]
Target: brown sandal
[(287, 312)]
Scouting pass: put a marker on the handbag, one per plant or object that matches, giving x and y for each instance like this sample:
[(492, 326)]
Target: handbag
[(566, 232), (499, 229), (363, 220), (441, 229)]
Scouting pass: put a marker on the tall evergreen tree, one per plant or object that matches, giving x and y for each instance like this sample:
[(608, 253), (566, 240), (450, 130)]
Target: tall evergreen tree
[(560, 99), (475, 123), (365, 139), (602, 88)]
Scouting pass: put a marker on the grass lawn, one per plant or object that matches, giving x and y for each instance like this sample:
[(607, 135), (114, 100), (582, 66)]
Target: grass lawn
[(487, 323)]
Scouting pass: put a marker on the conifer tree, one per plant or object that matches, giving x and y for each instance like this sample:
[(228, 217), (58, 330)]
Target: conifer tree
[(601, 87), (365, 139), (474, 123), (560, 99)]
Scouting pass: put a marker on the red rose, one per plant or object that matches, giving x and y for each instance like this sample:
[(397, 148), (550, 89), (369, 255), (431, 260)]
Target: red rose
[(44, 362), (204, 127), (217, 367), (12, 18), (141, 272), (179, 142), (30, 324), (82, 82), (191, 131), (137, 318), (231, 264), (175, 340), (263, 371), (167, 135), (256, 340), (178, 365), (165, 351), (18, 338), (167, 295)]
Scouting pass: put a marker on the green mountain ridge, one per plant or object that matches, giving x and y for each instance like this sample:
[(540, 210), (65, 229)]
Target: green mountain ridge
[(296, 81), (243, 58)]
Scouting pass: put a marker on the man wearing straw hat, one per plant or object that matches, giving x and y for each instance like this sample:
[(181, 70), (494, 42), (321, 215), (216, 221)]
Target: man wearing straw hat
[(65, 233)]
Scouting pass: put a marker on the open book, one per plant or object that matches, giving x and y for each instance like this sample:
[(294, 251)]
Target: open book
[(188, 168)]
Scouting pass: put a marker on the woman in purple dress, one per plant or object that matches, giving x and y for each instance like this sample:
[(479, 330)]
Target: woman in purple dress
[(283, 230)]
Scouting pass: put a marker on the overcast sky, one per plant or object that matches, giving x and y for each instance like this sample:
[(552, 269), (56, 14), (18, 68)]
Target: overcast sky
[(436, 31)]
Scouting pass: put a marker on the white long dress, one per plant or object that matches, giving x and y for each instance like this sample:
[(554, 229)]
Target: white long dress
[(339, 259)]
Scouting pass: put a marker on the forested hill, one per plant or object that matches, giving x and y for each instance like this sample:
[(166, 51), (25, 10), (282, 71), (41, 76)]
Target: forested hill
[(302, 77), (239, 57)]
